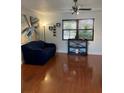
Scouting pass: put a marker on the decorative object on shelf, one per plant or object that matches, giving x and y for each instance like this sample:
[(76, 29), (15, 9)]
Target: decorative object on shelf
[(76, 51), (54, 27), (77, 46)]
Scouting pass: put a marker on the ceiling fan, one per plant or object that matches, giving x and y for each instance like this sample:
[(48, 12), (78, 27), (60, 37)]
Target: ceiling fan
[(76, 8)]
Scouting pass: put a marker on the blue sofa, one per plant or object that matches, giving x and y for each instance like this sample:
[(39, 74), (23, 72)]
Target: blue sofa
[(38, 52)]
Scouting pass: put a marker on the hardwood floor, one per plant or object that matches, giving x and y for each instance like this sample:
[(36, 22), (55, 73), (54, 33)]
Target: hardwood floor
[(64, 74)]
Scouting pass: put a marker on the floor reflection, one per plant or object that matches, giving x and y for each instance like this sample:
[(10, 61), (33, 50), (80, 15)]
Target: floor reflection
[(64, 74), (76, 70)]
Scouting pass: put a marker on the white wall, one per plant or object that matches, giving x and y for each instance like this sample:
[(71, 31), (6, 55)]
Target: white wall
[(95, 47)]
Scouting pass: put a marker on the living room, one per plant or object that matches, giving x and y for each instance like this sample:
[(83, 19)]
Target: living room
[(58, 13), (61, 46), (59, 24)]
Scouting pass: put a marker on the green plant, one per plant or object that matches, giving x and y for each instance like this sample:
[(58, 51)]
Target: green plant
[(85, 33)]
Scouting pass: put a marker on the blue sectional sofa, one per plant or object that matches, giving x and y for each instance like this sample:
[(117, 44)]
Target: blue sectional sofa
[(38, 52)]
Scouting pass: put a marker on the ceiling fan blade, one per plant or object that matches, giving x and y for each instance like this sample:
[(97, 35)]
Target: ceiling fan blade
[(85, 9), (76, 8)]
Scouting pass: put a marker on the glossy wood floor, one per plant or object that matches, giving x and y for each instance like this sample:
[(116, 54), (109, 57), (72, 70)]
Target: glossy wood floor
[(64, 74)]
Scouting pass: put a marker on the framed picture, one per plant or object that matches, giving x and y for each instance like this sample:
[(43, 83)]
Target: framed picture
[(24, 22), (34, 21), (50, 28), (58, 24)]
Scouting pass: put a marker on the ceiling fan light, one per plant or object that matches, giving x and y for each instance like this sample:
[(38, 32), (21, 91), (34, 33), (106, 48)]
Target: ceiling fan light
[(79, 7), (77, 12)]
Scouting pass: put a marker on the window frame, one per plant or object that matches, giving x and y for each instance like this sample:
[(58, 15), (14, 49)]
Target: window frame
[(77, 28)]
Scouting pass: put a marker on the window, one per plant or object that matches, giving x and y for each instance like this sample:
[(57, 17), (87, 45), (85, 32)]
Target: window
[(69, 31), (78, 28)]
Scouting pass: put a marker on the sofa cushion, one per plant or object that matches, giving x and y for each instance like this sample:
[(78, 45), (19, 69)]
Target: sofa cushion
[(36, 44), (38, 52)]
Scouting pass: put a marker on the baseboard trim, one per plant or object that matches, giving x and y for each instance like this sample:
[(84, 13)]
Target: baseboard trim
[(88, 53)]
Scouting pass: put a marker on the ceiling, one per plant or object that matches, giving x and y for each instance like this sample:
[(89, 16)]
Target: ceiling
[(59, 5)]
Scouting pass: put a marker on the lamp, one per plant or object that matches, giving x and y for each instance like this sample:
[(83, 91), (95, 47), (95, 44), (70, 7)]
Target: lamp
[(44, 32)]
